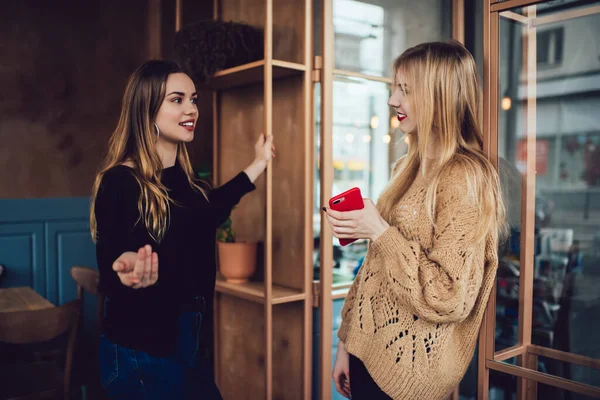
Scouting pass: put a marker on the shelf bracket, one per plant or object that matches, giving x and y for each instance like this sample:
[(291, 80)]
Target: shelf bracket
[(318, 67), (316, 294)]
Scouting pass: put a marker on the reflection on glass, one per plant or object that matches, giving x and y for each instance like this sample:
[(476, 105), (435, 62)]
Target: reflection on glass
[(369, 35), (566, 268), (547, 392), (361, 133), (502, 386)]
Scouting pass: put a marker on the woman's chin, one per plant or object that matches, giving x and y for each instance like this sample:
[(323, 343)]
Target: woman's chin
[(185, 137)]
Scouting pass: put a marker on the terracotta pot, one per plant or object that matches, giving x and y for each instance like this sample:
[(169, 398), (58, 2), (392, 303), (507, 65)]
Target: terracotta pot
[(237, 261)]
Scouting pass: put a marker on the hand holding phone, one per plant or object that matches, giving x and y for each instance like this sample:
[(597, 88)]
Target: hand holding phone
[(350, 200)]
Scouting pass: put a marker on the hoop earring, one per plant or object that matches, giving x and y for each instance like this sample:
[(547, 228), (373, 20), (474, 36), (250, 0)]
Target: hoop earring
[(157, 130)]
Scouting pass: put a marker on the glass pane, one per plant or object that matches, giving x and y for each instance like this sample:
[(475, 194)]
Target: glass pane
[(546, 392), (337, 321), (565, 125), (507, 300), (370, 34), (362, 139), (468, 384), (502, 386)]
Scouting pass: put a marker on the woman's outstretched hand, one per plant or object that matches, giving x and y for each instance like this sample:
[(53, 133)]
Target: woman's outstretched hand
[(264, 152), (137, 270)]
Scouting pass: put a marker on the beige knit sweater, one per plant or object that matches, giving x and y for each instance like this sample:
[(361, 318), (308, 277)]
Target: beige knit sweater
[(413, 313)]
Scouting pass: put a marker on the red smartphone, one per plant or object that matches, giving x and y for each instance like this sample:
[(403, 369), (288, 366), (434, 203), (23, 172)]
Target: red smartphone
[(350, 200)]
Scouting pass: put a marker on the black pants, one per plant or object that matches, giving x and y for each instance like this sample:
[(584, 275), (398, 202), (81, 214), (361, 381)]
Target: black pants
[(362, 386)]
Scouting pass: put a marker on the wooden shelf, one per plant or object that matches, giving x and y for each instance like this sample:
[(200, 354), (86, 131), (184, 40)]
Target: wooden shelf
[(248, 74), (255, 291)]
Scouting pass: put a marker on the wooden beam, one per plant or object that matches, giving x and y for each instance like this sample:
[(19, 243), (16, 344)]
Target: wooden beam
[(458, 20), (565, 15), (154, 29), (515, 17), (564, 356), (309, 179), (178, 15), (529, 68), (545, 379), (326, 170), (509, 353), (490, 144), (507, 5), (268, 130)]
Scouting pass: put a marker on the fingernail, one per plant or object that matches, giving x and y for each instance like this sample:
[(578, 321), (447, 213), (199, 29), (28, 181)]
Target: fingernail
[(324, 208)]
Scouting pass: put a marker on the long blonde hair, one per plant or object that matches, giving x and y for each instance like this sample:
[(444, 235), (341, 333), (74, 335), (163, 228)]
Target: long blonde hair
[(445, 96), (134, 140)]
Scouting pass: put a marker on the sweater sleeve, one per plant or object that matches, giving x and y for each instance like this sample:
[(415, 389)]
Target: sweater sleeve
[(116, 216), (225, 197), (439, 284)]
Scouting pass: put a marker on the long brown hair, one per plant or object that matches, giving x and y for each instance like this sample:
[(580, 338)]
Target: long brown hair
[(445, 95), (134, 140)]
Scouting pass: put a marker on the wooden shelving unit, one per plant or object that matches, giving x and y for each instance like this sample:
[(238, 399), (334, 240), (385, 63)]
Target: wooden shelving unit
[(263, 328)]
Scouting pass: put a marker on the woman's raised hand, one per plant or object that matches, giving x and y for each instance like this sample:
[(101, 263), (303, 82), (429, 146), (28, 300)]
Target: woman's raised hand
[(264, 151)]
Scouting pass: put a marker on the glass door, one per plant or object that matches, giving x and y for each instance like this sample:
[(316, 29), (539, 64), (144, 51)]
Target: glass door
[(539, 338)]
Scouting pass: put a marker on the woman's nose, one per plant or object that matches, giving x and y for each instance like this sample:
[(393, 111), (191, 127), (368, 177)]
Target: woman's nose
[(191, 110)]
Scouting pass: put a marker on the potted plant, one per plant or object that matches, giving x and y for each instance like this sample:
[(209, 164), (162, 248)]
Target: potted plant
[(237, 260)]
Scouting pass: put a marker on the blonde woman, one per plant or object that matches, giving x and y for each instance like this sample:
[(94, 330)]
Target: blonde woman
[(411, 318), (147, 209)]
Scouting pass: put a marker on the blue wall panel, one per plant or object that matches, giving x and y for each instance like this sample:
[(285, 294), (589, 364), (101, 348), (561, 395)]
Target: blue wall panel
[(22, 252), (40, 239), (68, 244)]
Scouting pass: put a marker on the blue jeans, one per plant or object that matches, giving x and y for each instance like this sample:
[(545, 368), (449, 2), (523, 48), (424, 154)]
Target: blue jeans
[(130, 374)]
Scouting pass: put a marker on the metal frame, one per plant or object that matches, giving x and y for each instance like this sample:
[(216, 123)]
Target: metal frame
[(526, 353)]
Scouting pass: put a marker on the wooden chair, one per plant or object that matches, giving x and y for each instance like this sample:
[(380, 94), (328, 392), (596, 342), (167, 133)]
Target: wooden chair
[(45, 379), (87, 281)]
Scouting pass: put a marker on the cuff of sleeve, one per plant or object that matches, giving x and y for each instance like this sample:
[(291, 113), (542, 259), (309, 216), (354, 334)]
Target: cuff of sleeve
[(245, 183), (387, 244), (392, 244), (343, 332)]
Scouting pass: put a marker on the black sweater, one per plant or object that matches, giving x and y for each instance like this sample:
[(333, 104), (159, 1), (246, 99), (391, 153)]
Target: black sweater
[(146, 319)]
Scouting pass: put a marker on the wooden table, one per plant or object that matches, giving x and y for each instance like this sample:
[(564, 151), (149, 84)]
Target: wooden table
[(22, 299)]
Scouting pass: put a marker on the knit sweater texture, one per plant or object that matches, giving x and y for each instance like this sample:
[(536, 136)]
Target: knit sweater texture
[(413, 314)]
